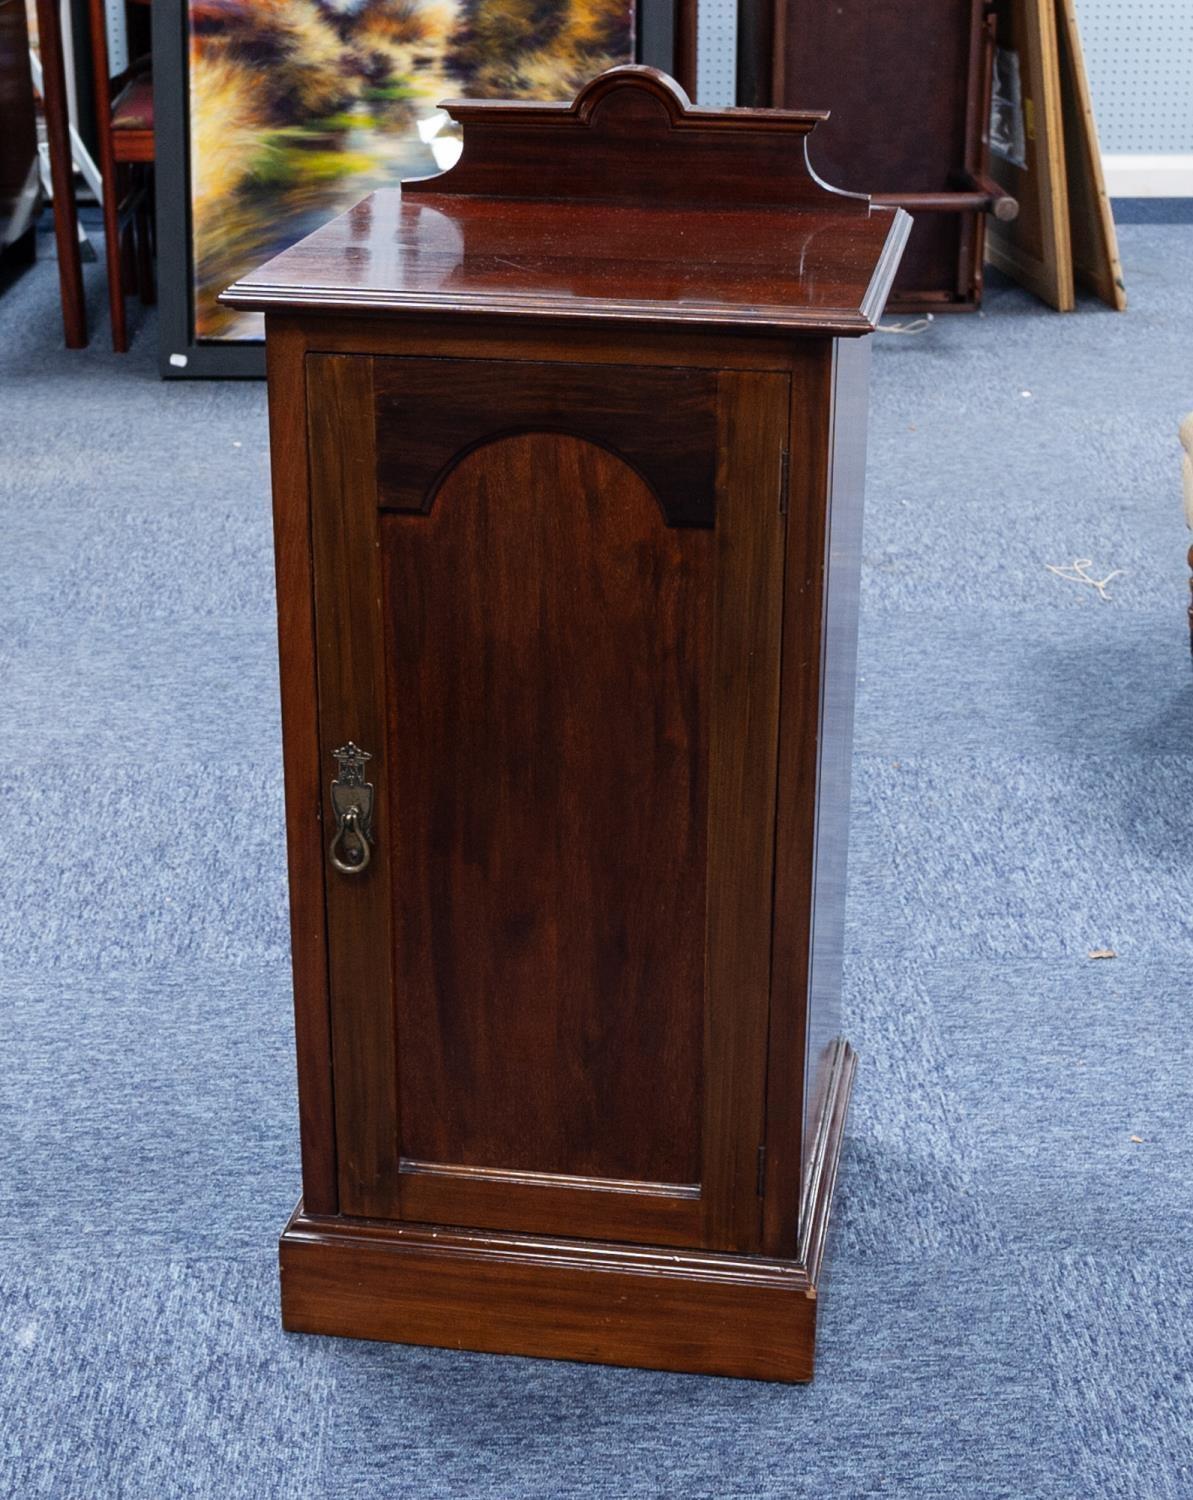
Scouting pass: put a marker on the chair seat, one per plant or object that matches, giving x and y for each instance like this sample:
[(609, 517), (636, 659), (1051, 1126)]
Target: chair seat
[(132, 120), (132, 108)]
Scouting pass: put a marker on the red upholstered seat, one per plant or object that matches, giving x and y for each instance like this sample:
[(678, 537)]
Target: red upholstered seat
[(132, 109)]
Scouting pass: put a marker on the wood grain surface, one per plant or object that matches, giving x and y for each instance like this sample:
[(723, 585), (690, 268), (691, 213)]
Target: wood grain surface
[(627, 205), (865, 61), (304, 772), (1092, 234), (548, 654), (1035, 249), (431, 414), (575, 1299), (351, 672), (573, 554)]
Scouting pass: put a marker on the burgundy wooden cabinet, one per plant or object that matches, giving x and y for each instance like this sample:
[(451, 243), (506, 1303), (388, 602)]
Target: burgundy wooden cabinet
[(567, 450), (908, 87)]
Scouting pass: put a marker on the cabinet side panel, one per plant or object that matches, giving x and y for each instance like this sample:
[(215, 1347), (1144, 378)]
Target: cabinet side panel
[(839, 675), (795, 822), (285, 348)]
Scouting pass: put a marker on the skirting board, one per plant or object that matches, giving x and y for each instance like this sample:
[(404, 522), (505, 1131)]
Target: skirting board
[(688, 1310), (1135, 175)]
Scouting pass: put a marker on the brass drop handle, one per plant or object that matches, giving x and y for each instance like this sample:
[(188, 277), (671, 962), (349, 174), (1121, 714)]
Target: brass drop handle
[(341, 854), (352, 803)]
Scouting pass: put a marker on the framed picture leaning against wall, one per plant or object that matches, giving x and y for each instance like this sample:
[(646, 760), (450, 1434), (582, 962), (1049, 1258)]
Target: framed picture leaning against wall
[(275, 115)]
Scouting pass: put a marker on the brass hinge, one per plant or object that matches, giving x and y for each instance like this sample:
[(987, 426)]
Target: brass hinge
[(784, 469), (761, 1171)]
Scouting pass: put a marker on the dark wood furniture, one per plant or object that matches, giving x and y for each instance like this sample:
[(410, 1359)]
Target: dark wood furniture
[(1186, 437), (567, 453), (124, 131), (20, 185), (908, 90), (66, 216)]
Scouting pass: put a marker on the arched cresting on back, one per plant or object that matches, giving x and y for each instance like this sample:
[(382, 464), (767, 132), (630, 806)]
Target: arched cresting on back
[(632, 134), (431, 414), (549, 657)]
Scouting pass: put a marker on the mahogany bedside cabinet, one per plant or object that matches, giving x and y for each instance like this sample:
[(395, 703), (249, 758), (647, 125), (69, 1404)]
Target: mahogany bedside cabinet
[(567, 461)]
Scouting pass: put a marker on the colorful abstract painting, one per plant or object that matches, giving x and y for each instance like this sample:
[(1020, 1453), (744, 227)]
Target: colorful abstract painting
[(300, 107)]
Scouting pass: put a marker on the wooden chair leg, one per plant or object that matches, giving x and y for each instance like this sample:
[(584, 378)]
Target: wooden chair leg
[(1191, 600), (146, 287), (66, 222), (1185, 433), (110, 173), (115, 254), (128, 241)]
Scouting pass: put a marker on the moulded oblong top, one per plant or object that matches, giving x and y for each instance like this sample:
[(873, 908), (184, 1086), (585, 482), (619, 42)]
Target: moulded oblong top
[(628, 203)]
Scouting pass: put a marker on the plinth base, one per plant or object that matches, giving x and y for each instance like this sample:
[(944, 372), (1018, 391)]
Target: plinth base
[(684, 1310)]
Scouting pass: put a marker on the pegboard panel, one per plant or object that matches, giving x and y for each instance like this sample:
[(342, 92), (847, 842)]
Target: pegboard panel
[(117, 29), (1140, 59), (716, 52)]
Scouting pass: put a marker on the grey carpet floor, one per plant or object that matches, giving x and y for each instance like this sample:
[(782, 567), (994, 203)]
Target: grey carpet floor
[(1009, 1311)]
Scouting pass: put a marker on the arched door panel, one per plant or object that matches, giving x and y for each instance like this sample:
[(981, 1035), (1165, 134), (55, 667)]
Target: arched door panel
[(562, 641)]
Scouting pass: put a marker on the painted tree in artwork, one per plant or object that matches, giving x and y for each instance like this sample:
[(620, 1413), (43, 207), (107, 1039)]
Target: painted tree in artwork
[(537, 48), (298, 107)]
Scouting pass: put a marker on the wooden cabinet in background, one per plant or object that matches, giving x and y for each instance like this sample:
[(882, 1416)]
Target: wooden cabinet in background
[(567, 451), (908, 91)]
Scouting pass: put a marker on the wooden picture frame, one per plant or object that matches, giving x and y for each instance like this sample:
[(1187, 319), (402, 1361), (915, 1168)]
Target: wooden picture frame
[(1028, 154), (1096, 262)]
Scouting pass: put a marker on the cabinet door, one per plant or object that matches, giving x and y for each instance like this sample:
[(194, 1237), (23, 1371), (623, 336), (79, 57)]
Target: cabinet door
[(547, 604)]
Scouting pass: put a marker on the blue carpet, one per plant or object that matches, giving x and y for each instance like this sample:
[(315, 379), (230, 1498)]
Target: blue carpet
[(1010, 1310), (1153, 210)]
